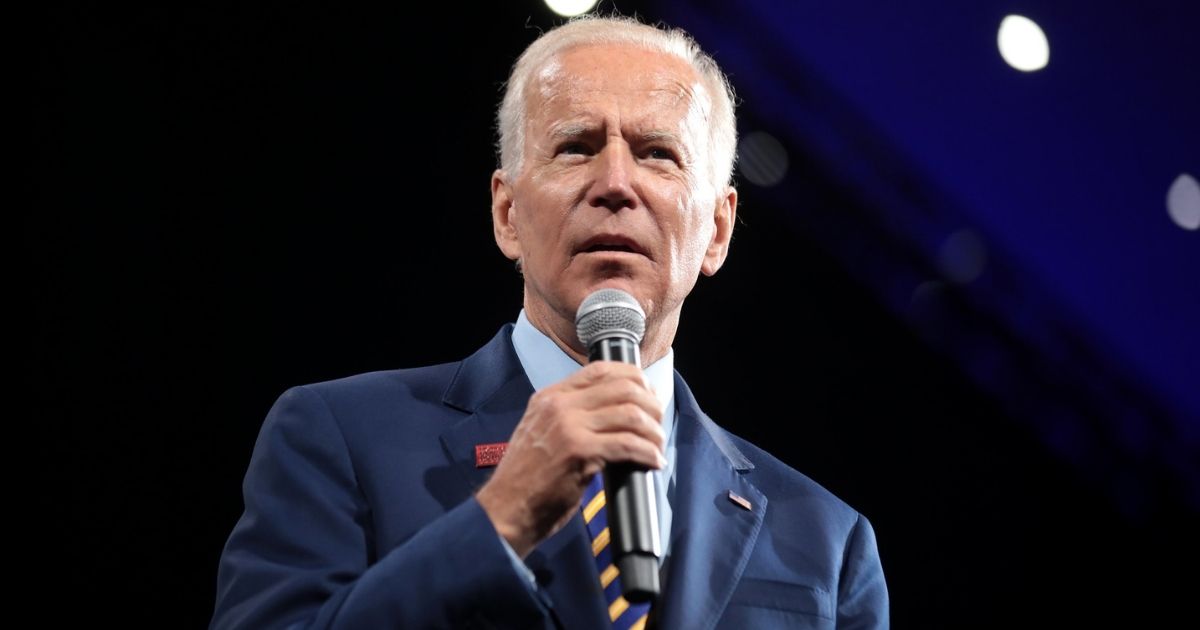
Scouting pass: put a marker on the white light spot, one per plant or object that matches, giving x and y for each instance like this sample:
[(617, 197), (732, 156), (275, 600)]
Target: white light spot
[(1183, 202), (1023, 44), (963, 256), (762, 159), (570, 8)]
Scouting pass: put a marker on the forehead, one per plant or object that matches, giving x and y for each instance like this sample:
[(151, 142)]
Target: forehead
[(593, 79)]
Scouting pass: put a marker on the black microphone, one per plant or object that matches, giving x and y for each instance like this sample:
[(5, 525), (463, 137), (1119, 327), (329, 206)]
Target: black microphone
[(610, 324)]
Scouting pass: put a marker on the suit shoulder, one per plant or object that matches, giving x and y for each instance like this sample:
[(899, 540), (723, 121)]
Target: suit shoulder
[(426, 383)]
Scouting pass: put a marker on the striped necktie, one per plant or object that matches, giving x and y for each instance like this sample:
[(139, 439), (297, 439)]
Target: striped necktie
[(624, 615)]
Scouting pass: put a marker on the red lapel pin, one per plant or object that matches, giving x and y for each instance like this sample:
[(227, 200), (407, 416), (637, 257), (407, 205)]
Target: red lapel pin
[(487, 455)]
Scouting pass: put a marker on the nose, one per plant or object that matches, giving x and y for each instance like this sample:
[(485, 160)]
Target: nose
[(612, 182)]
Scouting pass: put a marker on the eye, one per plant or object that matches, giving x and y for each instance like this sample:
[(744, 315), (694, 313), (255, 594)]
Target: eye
[(660, 153), (574, 148)]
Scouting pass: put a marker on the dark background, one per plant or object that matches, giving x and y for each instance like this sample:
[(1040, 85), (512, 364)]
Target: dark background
[(234, 198)]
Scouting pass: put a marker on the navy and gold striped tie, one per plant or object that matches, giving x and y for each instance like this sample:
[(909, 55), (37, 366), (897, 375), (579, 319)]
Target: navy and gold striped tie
[(624, 615)]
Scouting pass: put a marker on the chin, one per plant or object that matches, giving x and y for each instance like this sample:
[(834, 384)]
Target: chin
[(628, 285), (623, 283), (607, 273)]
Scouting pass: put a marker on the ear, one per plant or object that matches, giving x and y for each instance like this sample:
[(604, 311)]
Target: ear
[(718, 247), (503, 212)]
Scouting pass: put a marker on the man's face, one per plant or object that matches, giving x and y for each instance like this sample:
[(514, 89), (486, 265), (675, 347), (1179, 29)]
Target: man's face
[(616, 189)]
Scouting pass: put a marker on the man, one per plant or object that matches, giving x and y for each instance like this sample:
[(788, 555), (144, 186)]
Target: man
[(368, 503)]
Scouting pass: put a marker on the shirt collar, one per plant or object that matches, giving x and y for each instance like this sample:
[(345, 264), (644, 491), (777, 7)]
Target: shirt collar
[(546, 364)]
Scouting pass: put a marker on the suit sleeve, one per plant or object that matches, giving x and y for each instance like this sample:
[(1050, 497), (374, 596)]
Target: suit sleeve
[(299, 555), (862, 592)]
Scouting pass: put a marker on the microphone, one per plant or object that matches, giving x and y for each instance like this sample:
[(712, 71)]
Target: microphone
[(610, 324)]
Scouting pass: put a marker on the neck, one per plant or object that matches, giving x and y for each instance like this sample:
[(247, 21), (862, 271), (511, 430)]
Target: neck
[(660, 332)]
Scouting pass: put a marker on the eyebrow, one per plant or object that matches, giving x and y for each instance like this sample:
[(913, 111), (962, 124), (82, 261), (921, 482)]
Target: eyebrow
[(569, 130), (576, 130), (661, 136)]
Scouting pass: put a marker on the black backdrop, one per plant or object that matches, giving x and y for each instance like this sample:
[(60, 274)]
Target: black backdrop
[(232, 199)]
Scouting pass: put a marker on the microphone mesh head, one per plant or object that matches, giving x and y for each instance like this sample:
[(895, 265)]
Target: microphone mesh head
[(609, 312)]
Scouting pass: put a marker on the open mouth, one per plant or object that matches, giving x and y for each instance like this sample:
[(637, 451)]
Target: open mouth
[(611, 243), (607, 247)]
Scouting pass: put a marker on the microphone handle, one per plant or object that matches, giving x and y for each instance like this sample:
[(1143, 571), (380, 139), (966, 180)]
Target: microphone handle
[(632, 506)]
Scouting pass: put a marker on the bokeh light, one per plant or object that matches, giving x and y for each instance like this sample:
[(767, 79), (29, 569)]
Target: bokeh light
[(1183, 202), (1022, 43), (762, 159), (570, 8)]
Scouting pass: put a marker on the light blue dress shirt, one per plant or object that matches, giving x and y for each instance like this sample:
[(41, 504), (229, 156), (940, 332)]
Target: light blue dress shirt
[(546, 364)]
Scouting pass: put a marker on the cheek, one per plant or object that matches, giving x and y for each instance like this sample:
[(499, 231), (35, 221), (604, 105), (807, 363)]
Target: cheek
[(693, 231), (540, 220)]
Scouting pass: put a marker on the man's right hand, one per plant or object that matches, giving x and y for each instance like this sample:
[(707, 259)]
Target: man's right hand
[(603, 413)]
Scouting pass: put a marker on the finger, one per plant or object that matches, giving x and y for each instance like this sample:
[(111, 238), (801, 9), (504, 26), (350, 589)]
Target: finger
[(615, 392), (597, 371), (629, 418), (627, 447)]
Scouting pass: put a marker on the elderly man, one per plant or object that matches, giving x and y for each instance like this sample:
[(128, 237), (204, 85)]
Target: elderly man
[(382, 500)]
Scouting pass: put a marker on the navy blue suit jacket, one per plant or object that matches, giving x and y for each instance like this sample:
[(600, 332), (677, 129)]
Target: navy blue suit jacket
[(359, 513)]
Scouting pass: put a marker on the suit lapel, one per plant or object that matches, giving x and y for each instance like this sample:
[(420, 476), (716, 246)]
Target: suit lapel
[(491, 386), (494, 413), (712, 536)]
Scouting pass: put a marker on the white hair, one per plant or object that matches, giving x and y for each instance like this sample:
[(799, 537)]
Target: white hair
[(586, 30)]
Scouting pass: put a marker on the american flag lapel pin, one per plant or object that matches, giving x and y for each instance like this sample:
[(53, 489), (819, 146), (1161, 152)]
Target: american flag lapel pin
[(740, 501)]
